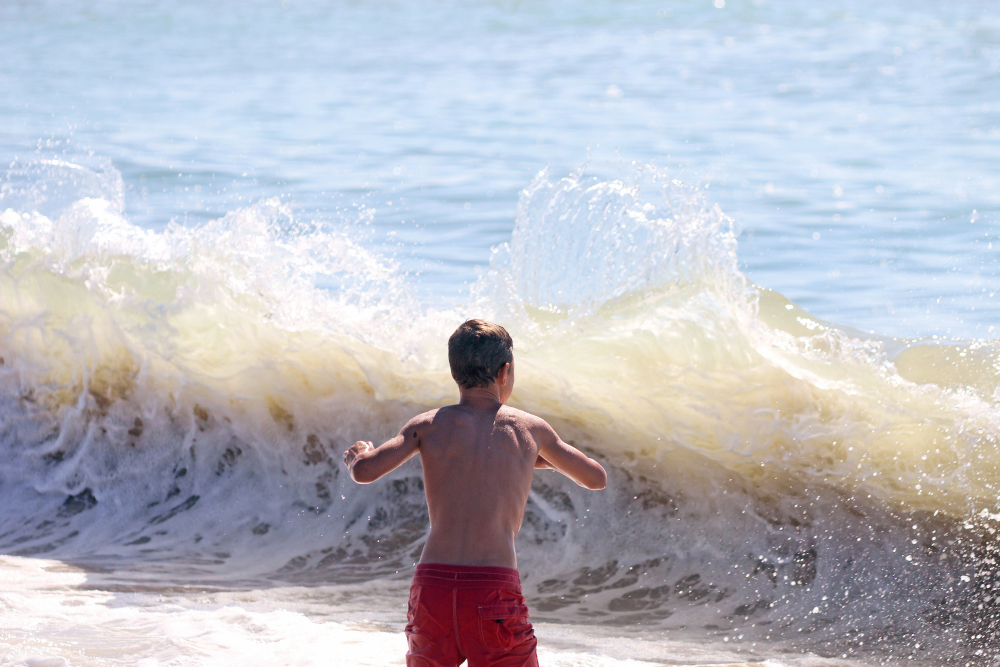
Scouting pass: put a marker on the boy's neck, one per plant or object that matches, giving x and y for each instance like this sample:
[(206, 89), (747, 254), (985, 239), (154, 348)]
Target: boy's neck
[(480, 397)]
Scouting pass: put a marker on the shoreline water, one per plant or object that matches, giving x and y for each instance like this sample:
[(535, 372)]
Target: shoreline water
[(253, 626)]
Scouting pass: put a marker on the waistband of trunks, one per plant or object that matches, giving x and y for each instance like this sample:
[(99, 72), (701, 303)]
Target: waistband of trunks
[(466, 576)]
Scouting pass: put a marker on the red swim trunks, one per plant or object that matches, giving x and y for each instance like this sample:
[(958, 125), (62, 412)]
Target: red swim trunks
[(459, 613)]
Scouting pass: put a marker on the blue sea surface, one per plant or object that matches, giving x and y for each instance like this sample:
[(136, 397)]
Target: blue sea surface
[(855, 144)]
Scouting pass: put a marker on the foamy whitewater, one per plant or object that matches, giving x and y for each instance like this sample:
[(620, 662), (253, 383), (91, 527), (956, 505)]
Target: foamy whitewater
[(182, 367)]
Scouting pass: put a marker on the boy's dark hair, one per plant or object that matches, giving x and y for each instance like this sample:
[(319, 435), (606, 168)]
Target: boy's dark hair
[(477, 351)]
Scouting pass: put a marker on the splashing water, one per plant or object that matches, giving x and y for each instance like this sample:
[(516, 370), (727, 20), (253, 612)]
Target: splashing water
[(176, 403)]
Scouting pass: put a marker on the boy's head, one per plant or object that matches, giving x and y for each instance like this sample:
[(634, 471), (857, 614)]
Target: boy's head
[(477, 351)]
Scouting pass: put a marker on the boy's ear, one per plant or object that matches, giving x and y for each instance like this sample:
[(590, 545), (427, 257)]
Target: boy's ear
[(503, 374)]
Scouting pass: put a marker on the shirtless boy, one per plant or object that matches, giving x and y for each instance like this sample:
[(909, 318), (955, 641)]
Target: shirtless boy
[(478, 458)]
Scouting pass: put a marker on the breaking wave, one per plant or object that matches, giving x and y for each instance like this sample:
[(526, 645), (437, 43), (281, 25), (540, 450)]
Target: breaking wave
[(176, 404)]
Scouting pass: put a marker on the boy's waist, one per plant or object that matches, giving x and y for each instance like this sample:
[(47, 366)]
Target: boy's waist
[(466, 576)]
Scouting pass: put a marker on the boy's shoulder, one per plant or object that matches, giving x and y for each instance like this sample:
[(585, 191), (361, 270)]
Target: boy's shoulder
[(525, 418), (450, 414), (426, 418), (433, 419)]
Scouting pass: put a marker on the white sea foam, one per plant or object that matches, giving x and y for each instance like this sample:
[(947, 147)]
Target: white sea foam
[(176, 404), (55, 618)]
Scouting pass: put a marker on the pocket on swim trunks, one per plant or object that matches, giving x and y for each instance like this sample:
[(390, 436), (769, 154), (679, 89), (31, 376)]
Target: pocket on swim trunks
[(500, 624)]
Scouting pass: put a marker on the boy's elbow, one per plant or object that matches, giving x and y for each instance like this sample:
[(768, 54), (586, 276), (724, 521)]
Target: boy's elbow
[(361, 475)]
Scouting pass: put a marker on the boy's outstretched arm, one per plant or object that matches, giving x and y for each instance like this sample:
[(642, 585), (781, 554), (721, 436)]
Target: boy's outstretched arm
[(367, 462), (570, 461)]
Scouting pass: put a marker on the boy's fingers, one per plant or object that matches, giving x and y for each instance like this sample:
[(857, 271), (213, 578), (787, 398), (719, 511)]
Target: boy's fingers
[(352, 452)]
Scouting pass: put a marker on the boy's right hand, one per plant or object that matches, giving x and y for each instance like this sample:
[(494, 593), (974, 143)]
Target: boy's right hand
[(356, 451)]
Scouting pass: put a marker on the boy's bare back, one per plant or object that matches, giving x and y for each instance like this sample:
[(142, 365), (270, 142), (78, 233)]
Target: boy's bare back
[(478, 458), (478, 462)]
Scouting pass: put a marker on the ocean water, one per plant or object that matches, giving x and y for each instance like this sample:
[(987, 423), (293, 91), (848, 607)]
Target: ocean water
[(745, 249)]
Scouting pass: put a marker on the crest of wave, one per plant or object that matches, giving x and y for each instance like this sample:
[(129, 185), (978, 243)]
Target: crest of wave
[(581, 243), (69, 219)]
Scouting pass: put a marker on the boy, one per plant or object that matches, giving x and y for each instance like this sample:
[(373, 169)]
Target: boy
[(478, 458)]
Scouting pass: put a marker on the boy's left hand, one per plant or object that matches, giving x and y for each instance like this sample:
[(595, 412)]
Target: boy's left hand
[(356, 451)]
